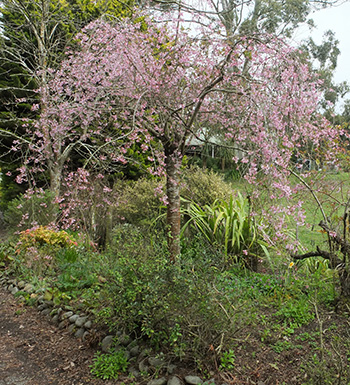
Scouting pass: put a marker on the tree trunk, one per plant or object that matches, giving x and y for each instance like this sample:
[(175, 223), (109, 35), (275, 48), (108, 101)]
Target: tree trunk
[(344, 278), (55, 189), (55, 181), (173, 210)]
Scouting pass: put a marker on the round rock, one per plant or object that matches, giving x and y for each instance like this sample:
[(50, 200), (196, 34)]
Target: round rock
[(28, 288), (133, 371), (107, 343), (86, 335), (71, 328), (124, 340), (46, 311), (171, 368), (80, 321), (67, 315), (143, 367), (156, 362), (79, 333), (73, 318), (14, 290), (62, 324), (88, 325), (158, 381), (193, 380), (174, 381), (134, 351)]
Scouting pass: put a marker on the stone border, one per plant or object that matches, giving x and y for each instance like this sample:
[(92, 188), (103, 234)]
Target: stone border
[(79, 324)]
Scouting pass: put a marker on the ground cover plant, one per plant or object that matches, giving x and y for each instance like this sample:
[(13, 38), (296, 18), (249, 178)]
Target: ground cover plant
[(278, 322)]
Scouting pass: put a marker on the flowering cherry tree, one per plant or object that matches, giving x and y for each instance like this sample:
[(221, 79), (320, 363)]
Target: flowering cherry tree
[(159, 85)]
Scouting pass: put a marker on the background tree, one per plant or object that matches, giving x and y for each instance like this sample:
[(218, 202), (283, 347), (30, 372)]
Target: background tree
[(323, 58), (35, 37), (251, 17)]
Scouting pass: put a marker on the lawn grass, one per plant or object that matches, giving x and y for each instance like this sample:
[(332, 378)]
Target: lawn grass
[(332, 191)]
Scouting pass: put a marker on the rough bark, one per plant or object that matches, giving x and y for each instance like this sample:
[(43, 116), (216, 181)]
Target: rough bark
[(173, 209), (55, 180), (341, 265)]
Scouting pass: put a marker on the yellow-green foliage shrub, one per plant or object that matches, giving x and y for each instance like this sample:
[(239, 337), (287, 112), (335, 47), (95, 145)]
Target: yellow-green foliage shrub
[(204, 186), (43, 235), (38, 247)]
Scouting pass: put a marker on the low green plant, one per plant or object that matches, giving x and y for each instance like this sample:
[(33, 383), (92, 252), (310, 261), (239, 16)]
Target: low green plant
[(72, 277), (7, 253), (295, 312), (68, 255), (282, 345), (109, 366), (227, 360), (246, 285), (327, 369), (56, 296), (313, 336), (266, 335)]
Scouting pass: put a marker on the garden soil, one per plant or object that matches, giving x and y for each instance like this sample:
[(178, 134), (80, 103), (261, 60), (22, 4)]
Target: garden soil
[(34, 352)]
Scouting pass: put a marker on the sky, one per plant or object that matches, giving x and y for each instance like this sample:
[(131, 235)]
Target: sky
[(336, 19)]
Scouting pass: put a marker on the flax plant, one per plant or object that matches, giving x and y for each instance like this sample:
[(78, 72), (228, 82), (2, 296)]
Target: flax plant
[(229, 225)]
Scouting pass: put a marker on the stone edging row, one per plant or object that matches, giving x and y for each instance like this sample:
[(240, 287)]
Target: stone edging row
[(79, 324)]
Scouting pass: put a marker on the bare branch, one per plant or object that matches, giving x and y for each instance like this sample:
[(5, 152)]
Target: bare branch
[(14, 135), (334, 261), (336, 238), (311, 191)]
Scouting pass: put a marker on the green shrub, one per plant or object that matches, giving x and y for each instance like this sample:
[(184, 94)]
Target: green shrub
[(22, 212), (204, 186), (138, 203), (136, 270), (176, 306)]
